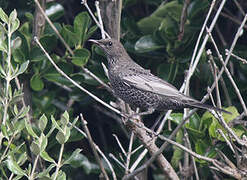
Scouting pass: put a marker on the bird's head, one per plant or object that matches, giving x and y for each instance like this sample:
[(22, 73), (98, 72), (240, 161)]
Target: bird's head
[(112, 48)]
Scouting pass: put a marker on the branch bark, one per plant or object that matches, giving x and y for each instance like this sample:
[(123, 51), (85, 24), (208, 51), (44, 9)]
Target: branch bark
[(148, 141)]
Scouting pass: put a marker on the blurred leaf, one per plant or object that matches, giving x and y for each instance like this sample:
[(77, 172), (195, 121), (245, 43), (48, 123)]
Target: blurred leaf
[(81, 24), (73, 156), (147, 44), (29, 129), (69, 36), (22, 69), (14, 167), (35, 148), (167, 71), (36, 83), (79, 160), (43, 142), (172, 9), (65, 118), (80, 57), (49, 42), (18, 56), (201, 146), (16, 43), (178, 153), (55, 11), (176, 117), (42, 122), (60, 137), (90, 32), (196, 9), (3, 16), (149, 24), (216, 125), (45, 172)]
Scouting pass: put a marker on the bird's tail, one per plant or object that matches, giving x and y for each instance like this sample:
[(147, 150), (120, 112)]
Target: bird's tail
[(206, 106)]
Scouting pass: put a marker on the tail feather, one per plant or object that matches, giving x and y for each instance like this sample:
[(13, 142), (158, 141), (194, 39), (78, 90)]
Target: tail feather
[(208, 107)]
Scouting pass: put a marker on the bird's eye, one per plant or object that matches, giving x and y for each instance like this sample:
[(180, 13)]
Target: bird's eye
[(110, 44)]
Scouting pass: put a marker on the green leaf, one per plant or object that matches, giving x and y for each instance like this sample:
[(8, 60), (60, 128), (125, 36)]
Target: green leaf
[(176, 117), (14, 167), (147, 44), (168, 71), (80, 57), (214, 125), (46, 172), (4, 130), (22, 69), (18, 55), (90, 32), (15, 25), (67, 134), (3, 16), (69, 36), (42, 122), (36, 83), (16, 43), (43, 142), (54, 122), (65, 118), (29, 129), (12, 16), (201, 146), (49, 42), (73, 156), (149, 24), (60, 137), (46, 157), (81, 161), (3, 46), (3, 74), (81, 24), (35, 148), (172, 9), (178, 153)]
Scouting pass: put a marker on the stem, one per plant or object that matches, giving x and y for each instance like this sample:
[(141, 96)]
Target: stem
[(34, 167), (59, 161), (8, 79)]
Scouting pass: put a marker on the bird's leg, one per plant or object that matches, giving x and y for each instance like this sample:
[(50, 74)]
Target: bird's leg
[(149, 111)]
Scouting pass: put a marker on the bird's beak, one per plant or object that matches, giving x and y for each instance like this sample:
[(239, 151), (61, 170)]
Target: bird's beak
[(94, 41)]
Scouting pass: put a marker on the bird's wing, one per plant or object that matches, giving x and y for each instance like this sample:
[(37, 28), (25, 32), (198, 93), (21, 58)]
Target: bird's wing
[(151, 83)]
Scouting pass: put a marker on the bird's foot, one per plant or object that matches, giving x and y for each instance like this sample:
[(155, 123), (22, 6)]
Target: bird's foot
[(149, 111)]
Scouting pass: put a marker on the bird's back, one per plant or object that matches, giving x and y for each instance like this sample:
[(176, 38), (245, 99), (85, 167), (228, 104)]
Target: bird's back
[(136, 96)]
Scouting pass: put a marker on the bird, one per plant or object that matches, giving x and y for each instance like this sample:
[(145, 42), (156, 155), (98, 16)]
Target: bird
[(139, 87)]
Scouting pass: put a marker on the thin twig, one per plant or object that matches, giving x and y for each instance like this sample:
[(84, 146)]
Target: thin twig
[(129, 153), (120, 145), (84, 2), (98, 149), (214, 69), (244, 61), (66, 45), (224, 64), (233, 19), (91, 142), (115, 159), (196, 61), (227, 141), (75, 83), (100, 19)]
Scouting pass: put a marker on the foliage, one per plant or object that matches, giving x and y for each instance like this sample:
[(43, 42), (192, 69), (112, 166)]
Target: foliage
[(37, 103)]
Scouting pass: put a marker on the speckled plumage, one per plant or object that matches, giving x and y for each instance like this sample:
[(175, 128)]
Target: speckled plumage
[(137, 86)]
